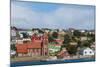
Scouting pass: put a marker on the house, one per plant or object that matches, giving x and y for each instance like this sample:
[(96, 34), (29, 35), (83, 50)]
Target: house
[(73, 43), (91, 32), (20, 35), (30, 33), (87, 52), (63, 54), (13, 33), (59, 41), (12, 53), (83, 38), (21, 41), (92, 46), (13, 42), (71, 29), (47, 31), (54, 48), (62, 32), (23, 34), (55, 45), (82, 31), (35, 30)]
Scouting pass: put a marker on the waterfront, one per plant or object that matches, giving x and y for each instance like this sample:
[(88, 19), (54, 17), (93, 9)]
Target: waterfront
[(51, 36), (26, 63)]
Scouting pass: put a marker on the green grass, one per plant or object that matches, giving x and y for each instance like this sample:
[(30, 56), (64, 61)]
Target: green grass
[(29, 58)]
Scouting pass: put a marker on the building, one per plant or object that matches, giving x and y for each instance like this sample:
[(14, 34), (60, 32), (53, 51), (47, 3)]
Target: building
[(82, 31), (13, 33), (30, 33), (91, 32), (63, 54), (93, 46), (54, 48), (55, 45), (29, 49), (87, 52), (84, 38), (59, 41), (36, 47), (12, 53), (73, 43)]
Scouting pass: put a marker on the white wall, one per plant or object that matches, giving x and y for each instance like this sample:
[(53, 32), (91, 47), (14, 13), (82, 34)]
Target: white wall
[(87, 51)]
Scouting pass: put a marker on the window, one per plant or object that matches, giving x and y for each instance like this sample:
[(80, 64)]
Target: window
[(90, 52), (85, 52)]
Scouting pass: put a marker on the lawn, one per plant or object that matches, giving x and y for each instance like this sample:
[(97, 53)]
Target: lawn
[(28, 58)]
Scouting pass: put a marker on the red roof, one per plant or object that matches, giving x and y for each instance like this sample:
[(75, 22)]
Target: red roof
[(35, 44), (58, 40), (22, 48)]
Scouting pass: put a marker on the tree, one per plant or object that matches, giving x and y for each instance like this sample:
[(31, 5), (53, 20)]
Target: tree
[(55, 35), (40, 31), (25, 35), (79, 44), (77, 33), (73, 38), (66, 39), (92, 36), (86, 44), (72, 49), (13, 47), (50, 38)]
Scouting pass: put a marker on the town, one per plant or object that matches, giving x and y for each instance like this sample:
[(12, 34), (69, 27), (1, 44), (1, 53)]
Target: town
[(51, 44)]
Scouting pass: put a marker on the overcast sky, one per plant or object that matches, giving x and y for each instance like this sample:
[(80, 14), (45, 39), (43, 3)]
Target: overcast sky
[(47, 15)]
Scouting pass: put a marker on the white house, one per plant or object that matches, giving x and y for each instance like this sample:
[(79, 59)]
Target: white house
[(19, 41), (13, 32), (21, 35), (47, 31), (30, 33), (36, 31), (83, 38), (88, 52), (12, 52), (82, 31), (73, 43)]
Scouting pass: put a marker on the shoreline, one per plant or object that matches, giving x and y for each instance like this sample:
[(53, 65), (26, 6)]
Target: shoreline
[(45, 60), (27, 63)]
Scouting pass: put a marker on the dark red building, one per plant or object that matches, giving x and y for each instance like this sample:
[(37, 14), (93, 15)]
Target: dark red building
[(38, 46)]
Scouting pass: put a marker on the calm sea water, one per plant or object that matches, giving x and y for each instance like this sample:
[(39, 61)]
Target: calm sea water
[(27, 63)]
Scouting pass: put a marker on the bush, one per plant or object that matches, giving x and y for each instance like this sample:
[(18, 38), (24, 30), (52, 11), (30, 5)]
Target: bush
[(72, 49), (13, 47)]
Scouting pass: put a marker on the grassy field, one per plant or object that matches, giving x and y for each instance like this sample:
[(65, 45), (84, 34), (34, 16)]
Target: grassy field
[(28, 58)]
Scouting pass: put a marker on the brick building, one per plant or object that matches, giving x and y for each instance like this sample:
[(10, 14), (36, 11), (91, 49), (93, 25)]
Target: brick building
[(37, 46)]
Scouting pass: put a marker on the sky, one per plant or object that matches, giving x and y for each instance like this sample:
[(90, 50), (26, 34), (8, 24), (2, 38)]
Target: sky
[(30, 15)]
